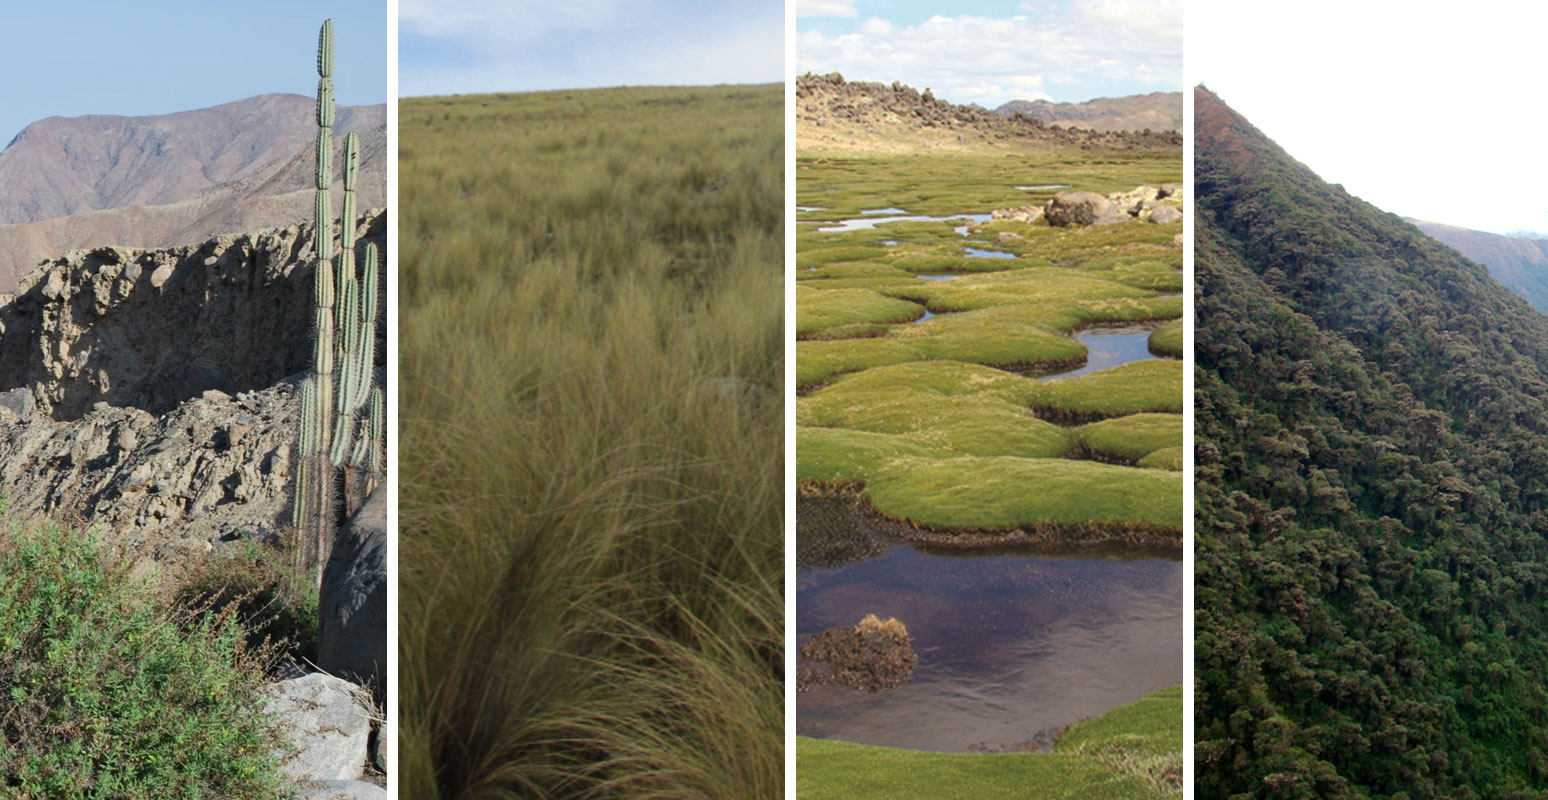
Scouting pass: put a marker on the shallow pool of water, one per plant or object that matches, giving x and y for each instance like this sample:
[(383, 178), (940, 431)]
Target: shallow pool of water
[(973, 252), (927, 315), (1109, 347), (1011, 647), (804, 209), (889, 210), (938, 277), (867, 223), (1039, 186)]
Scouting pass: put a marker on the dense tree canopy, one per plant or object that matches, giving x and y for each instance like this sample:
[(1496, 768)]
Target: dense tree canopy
[(1372, 497)]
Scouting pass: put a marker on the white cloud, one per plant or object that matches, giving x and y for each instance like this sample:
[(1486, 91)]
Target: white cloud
[(992, 60), (475, 23), (826, 8), (876, 26)]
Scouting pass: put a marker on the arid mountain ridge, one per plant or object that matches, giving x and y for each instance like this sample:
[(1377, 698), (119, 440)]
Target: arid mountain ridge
[(165, 180), (1519, 262), (835, 114)]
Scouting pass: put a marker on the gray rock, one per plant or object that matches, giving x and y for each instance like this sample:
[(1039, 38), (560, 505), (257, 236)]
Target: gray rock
[(341, 790), (1027, 214), (326, 726), (19, 403), (352, 640), (1165, 215), (1077, 208)]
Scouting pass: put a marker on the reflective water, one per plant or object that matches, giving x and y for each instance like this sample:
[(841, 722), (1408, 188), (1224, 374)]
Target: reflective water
[(1010, 646), (1109, 347), (870, 222), (973, 252), (938, 277), (1036, 186)]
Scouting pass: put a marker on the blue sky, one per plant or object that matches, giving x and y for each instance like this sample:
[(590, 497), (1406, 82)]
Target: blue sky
[(156, 56), (467, 46), (992, 51)]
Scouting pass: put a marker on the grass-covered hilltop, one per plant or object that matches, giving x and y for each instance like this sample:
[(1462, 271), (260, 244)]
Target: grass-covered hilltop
[(590, 509), (1372, 495), (988, 366)]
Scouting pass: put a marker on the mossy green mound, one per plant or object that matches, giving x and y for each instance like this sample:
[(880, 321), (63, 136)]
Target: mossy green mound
[(1003, 493), (1166, 458), (852, 269), (836, 455), (1132, 388), (997, 337), (1167, 340), (1129, 439), (1133, 752), (815, 257), (820, 310), (940, 406)]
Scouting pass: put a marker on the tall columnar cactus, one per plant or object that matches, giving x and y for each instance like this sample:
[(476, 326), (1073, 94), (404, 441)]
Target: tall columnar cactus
[(341, 440)]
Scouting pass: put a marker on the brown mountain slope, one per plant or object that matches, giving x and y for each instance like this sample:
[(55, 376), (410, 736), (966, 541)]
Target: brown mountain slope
[(1158, 111), (1519, 262), (265, 170), (62, 166)]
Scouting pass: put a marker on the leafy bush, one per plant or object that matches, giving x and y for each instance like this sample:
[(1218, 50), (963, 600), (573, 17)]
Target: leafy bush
[(103, 694)]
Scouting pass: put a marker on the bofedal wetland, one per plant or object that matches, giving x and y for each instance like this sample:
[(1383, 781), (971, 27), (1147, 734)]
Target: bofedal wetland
[(591, 571), (989, 445)]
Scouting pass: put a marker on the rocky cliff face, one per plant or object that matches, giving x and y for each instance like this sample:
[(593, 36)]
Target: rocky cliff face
[(152, 392)]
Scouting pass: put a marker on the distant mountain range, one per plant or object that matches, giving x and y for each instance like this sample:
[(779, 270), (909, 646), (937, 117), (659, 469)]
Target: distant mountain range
[(1518, 261), (164, 180), (1157, 111)]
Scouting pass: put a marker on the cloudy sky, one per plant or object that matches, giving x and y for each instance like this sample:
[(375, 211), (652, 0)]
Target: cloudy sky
[(1430, 112), (466, 46), (157, 56), (992, 51)]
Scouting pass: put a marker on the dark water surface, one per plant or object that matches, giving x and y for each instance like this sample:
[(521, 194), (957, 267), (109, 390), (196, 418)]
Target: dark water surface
[(1010, 646), (1109, 347)]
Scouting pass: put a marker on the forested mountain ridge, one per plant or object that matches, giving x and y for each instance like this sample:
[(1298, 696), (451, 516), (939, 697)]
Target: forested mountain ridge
[(1519, 262), (1372, 497)]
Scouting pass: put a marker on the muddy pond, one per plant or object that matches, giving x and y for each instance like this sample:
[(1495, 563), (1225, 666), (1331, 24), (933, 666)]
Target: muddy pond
[(1012, 646)]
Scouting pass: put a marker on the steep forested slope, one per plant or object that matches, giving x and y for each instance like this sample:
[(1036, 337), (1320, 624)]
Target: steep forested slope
[(1372, 493)]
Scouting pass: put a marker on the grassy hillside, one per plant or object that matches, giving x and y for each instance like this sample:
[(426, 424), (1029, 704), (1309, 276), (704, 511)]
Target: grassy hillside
[(590, 507), (1372, 492), (1130, 753)]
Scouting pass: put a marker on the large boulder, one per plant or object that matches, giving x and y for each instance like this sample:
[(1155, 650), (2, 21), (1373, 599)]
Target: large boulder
[(1077, 208), (326, 725), (1026, 214), (1165, 215), (352, 636)]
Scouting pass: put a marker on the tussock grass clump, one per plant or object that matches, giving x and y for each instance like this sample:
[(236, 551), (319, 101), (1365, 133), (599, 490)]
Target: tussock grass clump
[(107, 694), (591, 551)]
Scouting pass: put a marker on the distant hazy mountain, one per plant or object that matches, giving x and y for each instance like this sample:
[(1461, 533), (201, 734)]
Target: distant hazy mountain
[(1519, 262), (1158, 111), (160, 181)]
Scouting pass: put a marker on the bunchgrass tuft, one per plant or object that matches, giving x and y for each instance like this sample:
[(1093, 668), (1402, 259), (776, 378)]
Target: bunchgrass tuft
[(590, 509)]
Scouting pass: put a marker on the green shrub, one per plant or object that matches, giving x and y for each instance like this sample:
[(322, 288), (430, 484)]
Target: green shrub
[(274, 603), (103, 694)]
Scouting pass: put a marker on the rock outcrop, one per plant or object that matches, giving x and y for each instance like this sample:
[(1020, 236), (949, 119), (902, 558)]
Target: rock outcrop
[(1161, 206), (352, 640), (327, 727), (151, 393)]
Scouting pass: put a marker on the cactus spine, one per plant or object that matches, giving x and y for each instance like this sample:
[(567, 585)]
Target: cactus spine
[(341, 430)]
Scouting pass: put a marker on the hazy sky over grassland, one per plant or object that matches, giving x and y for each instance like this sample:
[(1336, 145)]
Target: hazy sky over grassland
[(1428, 111), (467, 46), (992, 51), (157, 56)]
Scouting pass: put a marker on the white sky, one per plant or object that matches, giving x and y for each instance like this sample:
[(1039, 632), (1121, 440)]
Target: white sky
[(1428, 110)]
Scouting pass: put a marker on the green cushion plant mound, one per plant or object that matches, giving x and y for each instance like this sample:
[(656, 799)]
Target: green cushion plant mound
[(107, 695), (1167, 340), (835, 455), (816, 257), (1005, 493), (1129, 439), (1130, 753), (1151, 385), (816, 310), (1166, 458)]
